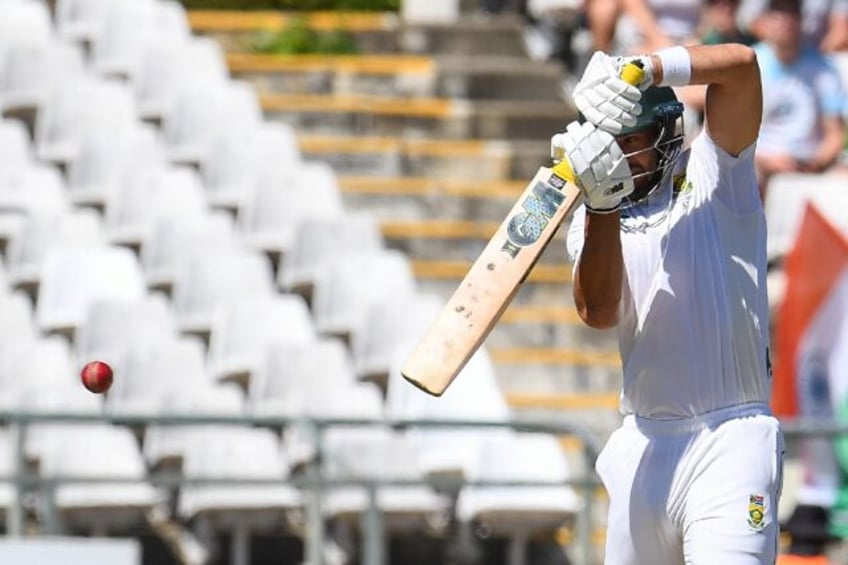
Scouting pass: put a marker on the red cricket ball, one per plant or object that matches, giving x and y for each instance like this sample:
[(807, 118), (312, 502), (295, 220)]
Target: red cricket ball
[(96, 376)]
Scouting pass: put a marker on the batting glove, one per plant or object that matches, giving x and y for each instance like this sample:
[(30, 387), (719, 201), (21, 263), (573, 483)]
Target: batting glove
[(604, 98), (601, 169)]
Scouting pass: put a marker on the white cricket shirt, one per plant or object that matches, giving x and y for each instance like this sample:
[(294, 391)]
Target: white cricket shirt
[(693, 325)]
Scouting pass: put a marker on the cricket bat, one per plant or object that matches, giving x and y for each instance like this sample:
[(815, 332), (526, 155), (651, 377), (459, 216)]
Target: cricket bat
[(497, 274)]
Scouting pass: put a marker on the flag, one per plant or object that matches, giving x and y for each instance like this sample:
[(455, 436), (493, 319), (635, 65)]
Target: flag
[(811, 373)]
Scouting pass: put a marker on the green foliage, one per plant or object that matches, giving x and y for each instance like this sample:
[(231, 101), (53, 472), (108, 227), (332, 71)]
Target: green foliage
[(297, 38), (294, 5)]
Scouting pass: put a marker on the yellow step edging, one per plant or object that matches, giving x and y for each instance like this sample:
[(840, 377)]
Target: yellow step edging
[(434, 229), (314, 143), (417, 186), (456, 270), (230, 20), (360, 64), (437, 108), (563, 401), (554, 356)]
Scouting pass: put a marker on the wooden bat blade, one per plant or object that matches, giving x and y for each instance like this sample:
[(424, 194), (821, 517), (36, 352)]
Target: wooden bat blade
[(492, 281)]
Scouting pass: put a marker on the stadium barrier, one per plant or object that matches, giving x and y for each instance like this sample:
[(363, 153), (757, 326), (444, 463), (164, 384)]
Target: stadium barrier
[(372, 526)]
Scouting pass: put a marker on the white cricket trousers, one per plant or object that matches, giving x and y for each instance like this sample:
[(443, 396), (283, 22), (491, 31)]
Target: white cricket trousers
[(695, 491)]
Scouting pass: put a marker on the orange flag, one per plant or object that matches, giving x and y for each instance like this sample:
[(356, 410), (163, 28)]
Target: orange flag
[(812, 318)]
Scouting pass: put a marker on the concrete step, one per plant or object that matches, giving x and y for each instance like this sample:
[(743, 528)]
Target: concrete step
[(469, 159), (488, 77)]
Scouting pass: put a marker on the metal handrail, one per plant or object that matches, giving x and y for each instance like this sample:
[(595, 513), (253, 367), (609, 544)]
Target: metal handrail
[(18, 420)]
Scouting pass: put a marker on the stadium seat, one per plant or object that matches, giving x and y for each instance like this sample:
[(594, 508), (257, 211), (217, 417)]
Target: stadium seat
[(382, 332), (81, 21), (350, 284), (271, 212), (112, 329), (31, 72), (38, 189), (239, 159), (39, 233), (379, 454), (17, 325), (310, 380), (36, 366), (23, 23), (218, 452), (76, 107), (202, 110), (164, 445), (163, 68), (108, 157), (146, 197), (128, 28), (150, 374), (73, 277), (246, 326), (175, 240), (474, 396), (317, 240), (519, 512), (98, 451), (15, 148), (8, 492), (202, 284)]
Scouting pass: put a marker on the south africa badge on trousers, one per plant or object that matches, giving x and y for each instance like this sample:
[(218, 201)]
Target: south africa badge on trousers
[(756, 512)]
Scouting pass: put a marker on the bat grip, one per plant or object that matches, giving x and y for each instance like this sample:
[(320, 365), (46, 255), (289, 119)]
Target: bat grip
[(632, 73)]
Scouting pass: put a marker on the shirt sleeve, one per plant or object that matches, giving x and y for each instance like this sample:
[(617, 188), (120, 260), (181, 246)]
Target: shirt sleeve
[(735, 177)]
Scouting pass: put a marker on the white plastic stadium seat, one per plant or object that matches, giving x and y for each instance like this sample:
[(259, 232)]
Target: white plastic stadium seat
[(153, 373), (31, 72), (203, 284), (98, 450), (164, 67), (15, 148), (35, 366), (147, 197), (241, 454), (111, 329), (243, 329), (82, 20), (474, 395), (175, 240), (39, 233), (17, 325), (377, 453), (520, 511), (317, 240), (77, 107), (127, 30), (381, 334), (272, 211), (75, 276), (345, 289), (201, 111), (240, 158), (107, 157), (38, 189), (24, 23)]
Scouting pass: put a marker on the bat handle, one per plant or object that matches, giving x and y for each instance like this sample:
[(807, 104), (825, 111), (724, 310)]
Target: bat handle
[(632, 73)]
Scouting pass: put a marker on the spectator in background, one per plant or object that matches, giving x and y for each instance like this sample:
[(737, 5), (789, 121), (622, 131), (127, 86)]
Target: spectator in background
[(824, 23), (629, 27), (803, 99), (719, 24)]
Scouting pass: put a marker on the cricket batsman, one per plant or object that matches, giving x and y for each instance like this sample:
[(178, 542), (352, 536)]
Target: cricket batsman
[(670, 249)]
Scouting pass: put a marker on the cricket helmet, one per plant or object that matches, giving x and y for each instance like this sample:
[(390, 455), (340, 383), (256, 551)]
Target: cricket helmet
[(662, 111)]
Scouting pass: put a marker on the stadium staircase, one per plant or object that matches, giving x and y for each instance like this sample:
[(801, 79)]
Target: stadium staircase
[(436, 128)]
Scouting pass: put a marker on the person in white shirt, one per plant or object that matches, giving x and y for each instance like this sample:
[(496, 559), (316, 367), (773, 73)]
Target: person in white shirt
[(669, 248)]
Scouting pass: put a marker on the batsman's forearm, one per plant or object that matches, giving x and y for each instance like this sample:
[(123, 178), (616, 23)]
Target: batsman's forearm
[(727, 63), (600, 271)]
